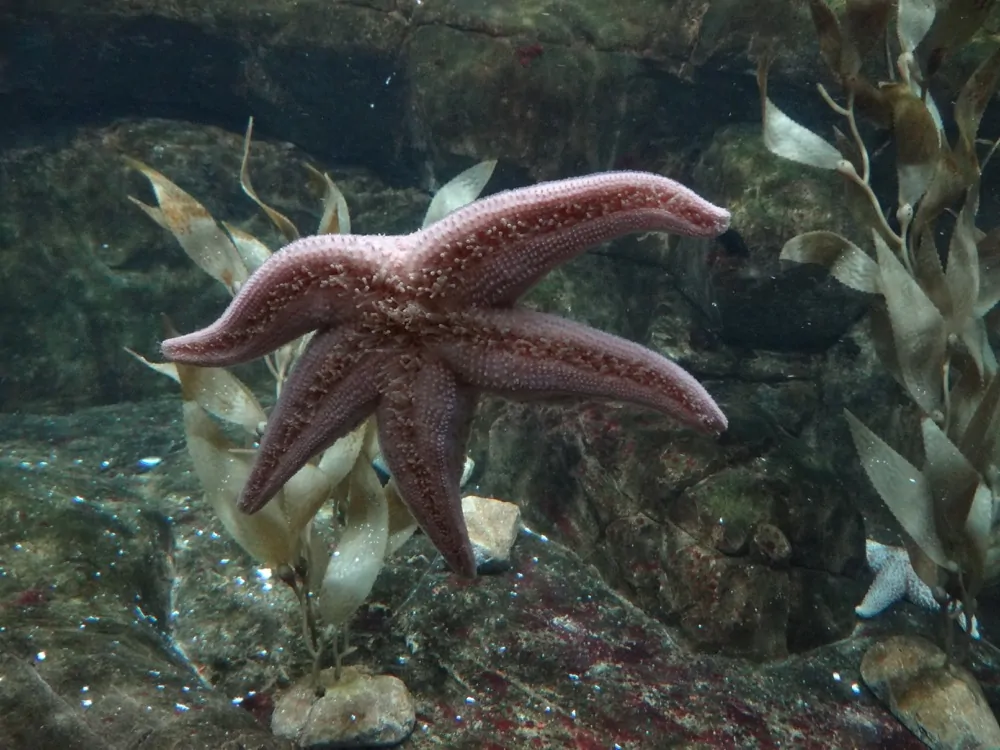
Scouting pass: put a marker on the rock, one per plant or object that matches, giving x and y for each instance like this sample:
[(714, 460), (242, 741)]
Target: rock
[(755, 559), (493, 528), (87, 591), (546, 654), (936, 699), (108, 273), (593, 290), (358, 710), (760, 301), (549, 655), (441, 81)]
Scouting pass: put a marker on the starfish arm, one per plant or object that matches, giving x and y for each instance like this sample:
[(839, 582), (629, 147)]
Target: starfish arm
[(312, 282), (895, 579), (525, 354), (331, 390), (919, 592), (888, 587), (423, 423), (493, 250)]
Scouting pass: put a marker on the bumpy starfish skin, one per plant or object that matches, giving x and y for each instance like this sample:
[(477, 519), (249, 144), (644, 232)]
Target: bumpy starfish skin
[(413, 327), (895, 580)]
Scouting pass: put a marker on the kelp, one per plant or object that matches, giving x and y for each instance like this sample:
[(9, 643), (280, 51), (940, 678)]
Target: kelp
[(931, 306), (371, 521)]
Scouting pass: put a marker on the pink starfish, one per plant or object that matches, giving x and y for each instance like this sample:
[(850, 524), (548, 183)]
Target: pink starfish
[(413, 327)]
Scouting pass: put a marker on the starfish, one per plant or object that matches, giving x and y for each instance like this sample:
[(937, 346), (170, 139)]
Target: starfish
[(895, 580), (412, 328)]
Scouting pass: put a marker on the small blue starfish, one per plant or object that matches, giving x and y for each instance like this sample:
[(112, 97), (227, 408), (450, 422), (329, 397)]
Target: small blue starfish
[(895, 579)]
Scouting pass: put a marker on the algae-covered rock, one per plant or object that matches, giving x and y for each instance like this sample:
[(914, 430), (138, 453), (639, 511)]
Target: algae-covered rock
[(758, 301), (87, 274), (672, 524), (86, 595), (545, 653), (404, 87)]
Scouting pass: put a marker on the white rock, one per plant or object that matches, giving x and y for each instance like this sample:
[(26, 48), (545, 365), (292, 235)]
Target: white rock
[(493, 527), (359, 710)]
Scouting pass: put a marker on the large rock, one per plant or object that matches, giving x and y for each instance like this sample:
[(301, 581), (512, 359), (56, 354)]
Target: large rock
[(758, 301), (754, 560), (548, 87), (111, 639), (86, 274), (86, 595), (938, 700)]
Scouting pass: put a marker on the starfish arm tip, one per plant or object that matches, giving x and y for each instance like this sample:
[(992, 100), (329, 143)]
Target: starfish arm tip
[(872, 605), (888, 587)]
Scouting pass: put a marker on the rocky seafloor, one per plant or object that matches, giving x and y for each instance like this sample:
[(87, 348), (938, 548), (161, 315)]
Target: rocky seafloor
[(128, 619)]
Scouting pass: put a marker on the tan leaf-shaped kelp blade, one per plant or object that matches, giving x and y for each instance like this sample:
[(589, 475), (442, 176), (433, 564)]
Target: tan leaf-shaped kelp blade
[(336, 219), (953, 481), (223, 473), (951, 178), (402, 524), (164, 368), (927, 267), (978, 441), (221, 394), (838, 51), (913, 181), (918, 144), (988, 250), (884, 340), (786, 138), (304, 494), (192, 225), (459, 191), (217, 391), (252, 251), (953, 27), (845, 261), (360, 552), (965, 396), (974, 340), (979, 535), (307, 490), (902, 487), (828, 33), (975, 95), (282, 222), (866, 22), (926, 569), (914, 19), (962, 271), (918, 331), (316, 555)]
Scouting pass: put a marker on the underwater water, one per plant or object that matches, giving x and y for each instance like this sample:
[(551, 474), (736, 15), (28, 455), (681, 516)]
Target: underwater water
[(555, 374)]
